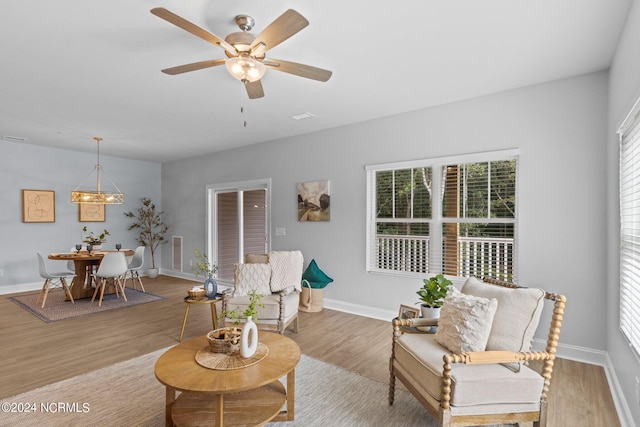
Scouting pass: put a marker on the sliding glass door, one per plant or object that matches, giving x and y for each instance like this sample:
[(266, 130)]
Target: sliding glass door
[(238, 216)]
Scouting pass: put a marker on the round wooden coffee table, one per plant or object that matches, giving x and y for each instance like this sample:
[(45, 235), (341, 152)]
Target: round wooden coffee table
[(246, 396)]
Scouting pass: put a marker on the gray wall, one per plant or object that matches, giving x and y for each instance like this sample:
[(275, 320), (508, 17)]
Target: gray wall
[(559, 128), (25, 166), (624, 90)]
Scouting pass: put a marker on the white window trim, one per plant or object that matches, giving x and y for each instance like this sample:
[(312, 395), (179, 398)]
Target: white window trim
[(628, 320), (435, 229)]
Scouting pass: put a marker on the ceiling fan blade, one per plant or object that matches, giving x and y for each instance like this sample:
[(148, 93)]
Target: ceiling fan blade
[(254, 89), (286, 25), (192, 28), (301, 70), (193, 66)]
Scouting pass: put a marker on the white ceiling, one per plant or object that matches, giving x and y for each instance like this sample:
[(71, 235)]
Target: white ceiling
[(75, 69)]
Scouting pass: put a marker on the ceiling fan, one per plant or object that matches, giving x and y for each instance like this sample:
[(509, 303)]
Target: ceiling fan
[(246, 52)]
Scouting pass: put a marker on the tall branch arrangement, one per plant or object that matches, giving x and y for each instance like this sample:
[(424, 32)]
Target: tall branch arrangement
[(148, 223)]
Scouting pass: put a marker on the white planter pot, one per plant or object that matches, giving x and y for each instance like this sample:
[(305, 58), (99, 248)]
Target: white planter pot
[(152, 273), (429, 313)]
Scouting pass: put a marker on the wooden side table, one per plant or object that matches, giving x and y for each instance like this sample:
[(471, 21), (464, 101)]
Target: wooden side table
[(205, 300)]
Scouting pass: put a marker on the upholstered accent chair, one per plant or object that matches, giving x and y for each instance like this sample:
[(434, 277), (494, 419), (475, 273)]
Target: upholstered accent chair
[(474, 370), (277, 277)]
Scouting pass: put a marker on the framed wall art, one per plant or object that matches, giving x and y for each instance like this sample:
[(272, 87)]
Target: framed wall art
[(38, 206), (314, 201), (88, 212), (408, 312)]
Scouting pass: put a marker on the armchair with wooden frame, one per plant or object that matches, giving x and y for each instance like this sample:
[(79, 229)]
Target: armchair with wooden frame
[(494, 386), (275, 276)]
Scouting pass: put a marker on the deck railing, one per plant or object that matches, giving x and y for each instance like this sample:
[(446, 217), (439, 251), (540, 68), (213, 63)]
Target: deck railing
[(477, 256)]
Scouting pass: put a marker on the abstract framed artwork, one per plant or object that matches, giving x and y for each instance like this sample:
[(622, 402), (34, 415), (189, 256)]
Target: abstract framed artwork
[(314, 201), (38, 206), (89, 212)]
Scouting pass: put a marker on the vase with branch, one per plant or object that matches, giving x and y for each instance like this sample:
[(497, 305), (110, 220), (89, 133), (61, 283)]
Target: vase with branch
[(207, 269)]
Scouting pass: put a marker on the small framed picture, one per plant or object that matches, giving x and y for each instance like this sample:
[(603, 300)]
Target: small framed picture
[(88, 212), (38, 206), (408, 312)]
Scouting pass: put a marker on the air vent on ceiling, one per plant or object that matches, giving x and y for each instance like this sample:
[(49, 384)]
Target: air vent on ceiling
[(302, 116)]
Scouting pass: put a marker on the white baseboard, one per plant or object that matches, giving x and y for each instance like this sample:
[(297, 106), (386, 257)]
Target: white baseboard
[(565, 351)]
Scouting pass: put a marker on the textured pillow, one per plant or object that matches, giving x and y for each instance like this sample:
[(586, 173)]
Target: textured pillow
[(286, 270), (465, 322), (316, 277), (516, 318), (248, 277)]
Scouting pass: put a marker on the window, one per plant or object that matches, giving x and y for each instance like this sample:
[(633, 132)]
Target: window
[(629, 134), (238, 224), (467, 228)]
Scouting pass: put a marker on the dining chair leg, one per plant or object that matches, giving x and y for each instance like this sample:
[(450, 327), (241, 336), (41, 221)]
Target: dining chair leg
[(119, 283), (95, 292), (43, 293), (140, 282), (102, 286), (67, 289)]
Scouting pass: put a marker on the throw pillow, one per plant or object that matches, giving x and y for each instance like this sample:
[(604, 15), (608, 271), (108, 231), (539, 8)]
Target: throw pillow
[(516, 318), (465, 322), (256, 258), (248, 277), (286, 270), (316, 277)]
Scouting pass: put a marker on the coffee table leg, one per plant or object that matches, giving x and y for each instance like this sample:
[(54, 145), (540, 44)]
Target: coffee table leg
[(291, 394), (219, 410), (170, 398)]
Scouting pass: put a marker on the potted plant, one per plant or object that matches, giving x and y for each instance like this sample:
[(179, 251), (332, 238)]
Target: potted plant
[(92, 240), (255, 300), (151, 229), (432, 294), (249, 329), (205, 268)]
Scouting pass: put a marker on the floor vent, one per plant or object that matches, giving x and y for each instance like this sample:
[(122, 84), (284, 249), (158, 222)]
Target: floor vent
[(177, 253)]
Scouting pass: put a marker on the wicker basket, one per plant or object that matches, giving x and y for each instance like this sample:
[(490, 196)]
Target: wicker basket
[(196, 293), (224, 340)]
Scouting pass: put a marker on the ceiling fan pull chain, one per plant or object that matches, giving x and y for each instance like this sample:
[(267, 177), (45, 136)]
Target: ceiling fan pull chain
[(242, 104)]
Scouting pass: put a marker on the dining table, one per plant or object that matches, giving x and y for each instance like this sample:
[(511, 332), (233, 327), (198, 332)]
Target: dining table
[(85, 263)]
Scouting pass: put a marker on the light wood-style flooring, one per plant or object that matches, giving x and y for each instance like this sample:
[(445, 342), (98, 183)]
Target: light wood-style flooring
[(34, 353)]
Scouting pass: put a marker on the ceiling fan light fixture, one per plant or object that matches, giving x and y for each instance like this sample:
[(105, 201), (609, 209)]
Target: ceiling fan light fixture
[(245, 69)]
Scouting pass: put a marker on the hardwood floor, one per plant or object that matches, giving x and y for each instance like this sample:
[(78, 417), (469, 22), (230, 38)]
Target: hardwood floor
[(35, 353)]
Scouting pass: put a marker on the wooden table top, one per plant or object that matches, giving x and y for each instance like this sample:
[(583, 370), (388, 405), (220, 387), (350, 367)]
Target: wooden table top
[(84, 255), (178, 368)]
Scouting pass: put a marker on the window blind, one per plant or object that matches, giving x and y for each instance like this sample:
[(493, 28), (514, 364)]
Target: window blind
[(629, 134)]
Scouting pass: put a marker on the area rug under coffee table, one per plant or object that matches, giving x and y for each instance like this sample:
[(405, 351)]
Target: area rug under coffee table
[(56, 308)]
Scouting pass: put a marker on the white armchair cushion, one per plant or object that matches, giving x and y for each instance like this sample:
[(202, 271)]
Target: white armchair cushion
[(465, 322), (475, 388), (516, 318), (248, 277), (286, 270)]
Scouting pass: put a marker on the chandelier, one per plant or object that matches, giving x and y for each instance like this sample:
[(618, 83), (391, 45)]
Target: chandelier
[(97, 197)]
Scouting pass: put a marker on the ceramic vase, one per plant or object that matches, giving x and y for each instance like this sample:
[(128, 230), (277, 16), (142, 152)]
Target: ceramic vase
[(210, 287), (248, 338)]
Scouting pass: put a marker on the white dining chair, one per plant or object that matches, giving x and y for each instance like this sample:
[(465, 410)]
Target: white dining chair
[(112, 267), (134, 267), (52, 280)]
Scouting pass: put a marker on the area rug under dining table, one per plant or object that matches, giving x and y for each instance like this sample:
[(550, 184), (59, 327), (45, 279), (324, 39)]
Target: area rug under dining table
[(56, 308)]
